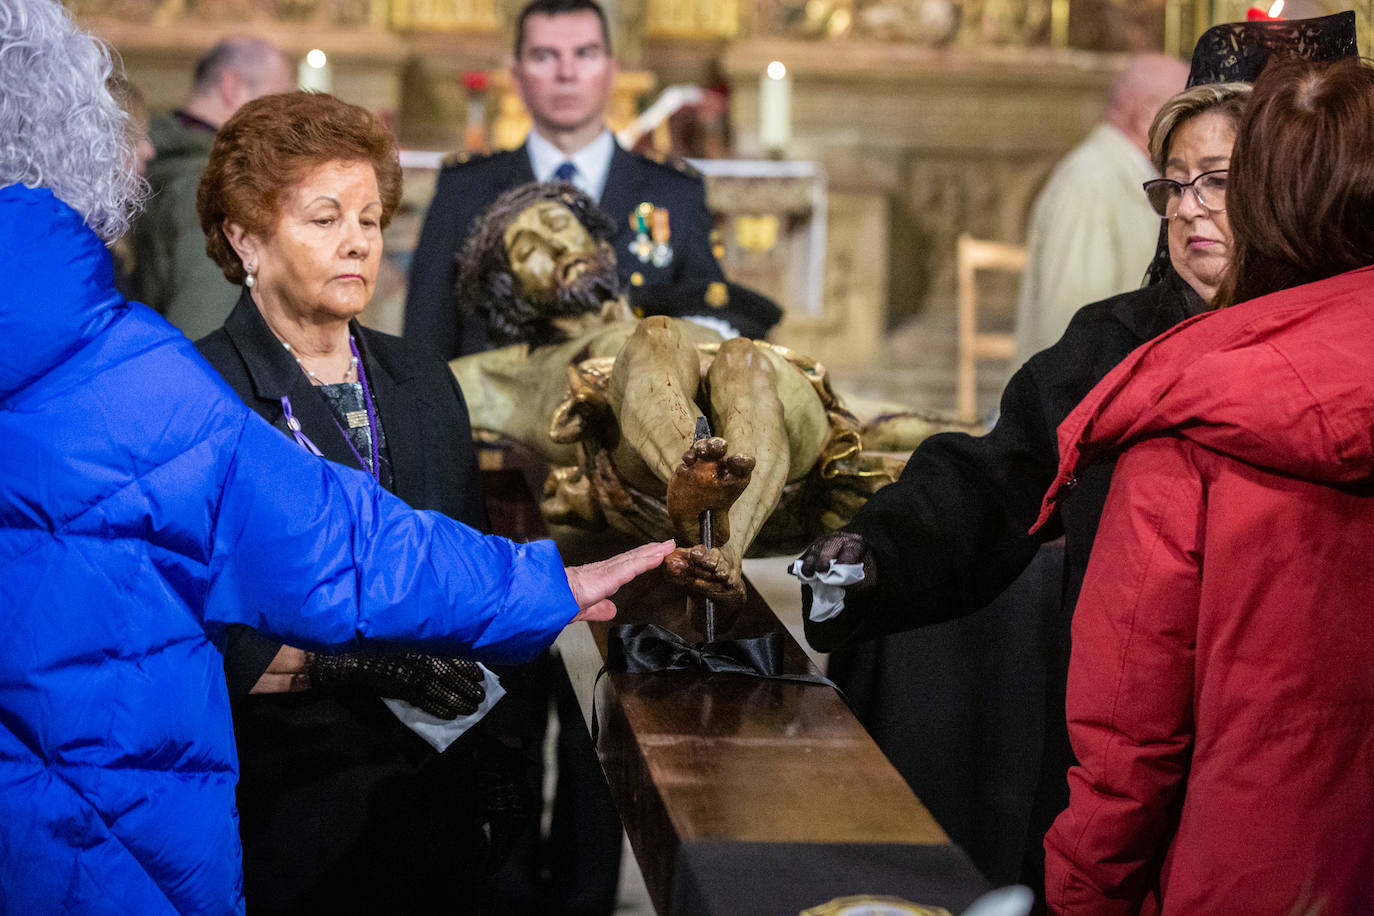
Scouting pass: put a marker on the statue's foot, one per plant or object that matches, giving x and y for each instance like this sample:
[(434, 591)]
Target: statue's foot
[(705, 571), (706, 479)]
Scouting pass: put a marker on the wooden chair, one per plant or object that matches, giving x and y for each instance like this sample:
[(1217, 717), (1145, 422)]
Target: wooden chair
[(975, 255)]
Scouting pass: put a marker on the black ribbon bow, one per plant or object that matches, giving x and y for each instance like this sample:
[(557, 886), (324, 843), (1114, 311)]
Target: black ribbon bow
[(647, 648)]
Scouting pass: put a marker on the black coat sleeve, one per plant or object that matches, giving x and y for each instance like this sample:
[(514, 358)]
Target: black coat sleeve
[(952, 532), (247, 653), (469, 506), (431, 321)]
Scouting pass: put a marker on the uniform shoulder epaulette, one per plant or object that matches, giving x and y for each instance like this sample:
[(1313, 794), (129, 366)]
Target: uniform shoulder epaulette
[(671, 162), (463, 157)]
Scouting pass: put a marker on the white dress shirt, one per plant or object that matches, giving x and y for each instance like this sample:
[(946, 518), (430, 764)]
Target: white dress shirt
[(592, 161)]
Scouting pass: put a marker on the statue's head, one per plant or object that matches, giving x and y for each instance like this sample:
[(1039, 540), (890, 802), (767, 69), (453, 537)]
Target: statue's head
[(537, 254)]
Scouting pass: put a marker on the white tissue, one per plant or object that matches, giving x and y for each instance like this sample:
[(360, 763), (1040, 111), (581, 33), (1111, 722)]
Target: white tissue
[(827, 587), (440, 733)]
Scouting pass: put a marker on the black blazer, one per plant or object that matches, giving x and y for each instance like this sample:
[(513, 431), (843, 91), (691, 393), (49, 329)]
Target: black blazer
[(422, 410), (469, 186), (341, 806)]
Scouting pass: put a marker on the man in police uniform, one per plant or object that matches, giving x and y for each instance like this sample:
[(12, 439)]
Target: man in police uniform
[(564, 72)]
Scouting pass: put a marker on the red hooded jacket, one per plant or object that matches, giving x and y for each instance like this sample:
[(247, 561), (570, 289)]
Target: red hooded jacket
[(1221, 687)]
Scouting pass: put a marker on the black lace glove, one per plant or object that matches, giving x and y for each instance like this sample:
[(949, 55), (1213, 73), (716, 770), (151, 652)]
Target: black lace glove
[(840, 547), (443, 687)]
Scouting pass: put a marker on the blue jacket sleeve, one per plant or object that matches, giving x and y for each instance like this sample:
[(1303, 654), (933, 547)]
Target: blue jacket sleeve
[(319, 556)]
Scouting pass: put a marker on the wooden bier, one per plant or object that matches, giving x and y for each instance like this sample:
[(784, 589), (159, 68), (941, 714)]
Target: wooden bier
[(714, 774), (694, 758)]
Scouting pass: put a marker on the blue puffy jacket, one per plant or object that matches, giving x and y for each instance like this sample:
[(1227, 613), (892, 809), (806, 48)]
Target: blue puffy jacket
[(143, 507)]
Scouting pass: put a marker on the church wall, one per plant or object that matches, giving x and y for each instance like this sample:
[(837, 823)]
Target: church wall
[(934, 142), (918, 143)]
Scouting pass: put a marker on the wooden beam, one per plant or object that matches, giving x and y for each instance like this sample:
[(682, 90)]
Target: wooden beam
[(697, 758)]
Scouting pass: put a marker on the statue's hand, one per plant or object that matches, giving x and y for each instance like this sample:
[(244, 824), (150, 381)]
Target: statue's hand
[(708, 573), (840, 547)]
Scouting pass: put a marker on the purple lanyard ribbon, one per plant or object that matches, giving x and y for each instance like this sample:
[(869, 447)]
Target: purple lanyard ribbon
[(374, 466)]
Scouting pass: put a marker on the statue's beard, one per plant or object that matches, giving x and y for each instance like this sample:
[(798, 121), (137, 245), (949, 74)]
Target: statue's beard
[(585, 284), (512, 316)]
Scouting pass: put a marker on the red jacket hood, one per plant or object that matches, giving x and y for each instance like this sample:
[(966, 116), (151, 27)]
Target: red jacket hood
[(1284, 382)]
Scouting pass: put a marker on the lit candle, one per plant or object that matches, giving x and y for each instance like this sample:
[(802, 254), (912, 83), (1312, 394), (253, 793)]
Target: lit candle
[(313, 74), (1275, 11), (775, 108), (475, 127)]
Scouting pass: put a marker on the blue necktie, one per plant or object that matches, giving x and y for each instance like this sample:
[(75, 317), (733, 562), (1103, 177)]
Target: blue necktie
[(565, 172)]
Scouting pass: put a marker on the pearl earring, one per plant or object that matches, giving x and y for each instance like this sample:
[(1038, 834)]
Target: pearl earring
[(249, 280)]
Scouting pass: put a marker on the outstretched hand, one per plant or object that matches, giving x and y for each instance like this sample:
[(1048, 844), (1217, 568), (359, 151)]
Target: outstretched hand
[(593, 584), (840, 547)]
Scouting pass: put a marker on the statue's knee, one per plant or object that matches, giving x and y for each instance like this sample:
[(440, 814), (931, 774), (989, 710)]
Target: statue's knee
[(657, 329), (740, 355)]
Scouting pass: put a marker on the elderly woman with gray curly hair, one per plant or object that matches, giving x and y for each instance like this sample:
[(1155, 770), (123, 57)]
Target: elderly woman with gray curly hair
[(144, 509)]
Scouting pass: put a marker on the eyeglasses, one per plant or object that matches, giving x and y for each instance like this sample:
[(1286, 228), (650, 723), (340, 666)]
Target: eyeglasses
[(1209, 188)]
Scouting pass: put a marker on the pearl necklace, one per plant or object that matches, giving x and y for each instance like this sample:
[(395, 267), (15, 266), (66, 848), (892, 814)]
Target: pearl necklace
[(350, 374)]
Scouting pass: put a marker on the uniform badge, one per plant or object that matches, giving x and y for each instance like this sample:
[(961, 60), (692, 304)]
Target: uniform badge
[(642, 246), (653, 235), (658, 226)]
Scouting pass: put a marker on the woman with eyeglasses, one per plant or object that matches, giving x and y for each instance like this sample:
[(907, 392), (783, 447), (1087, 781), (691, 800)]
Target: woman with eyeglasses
[(1220, 700), (953, 532), (1190, 145)]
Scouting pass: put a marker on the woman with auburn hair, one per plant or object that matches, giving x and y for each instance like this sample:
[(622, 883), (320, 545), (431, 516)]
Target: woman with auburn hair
[(1305, 207), (1219, 697), (364, 784), (144, 509)]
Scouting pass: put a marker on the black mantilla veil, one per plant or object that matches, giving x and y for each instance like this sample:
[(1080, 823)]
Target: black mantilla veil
[(1236, 52)]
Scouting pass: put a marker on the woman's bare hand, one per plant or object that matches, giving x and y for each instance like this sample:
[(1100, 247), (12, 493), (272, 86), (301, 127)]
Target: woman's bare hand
[(593, 584)]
